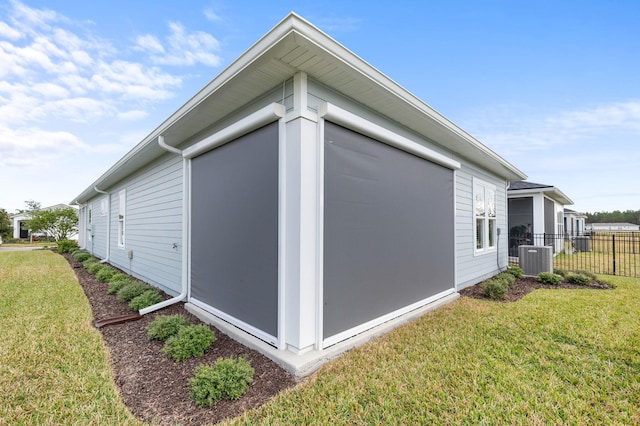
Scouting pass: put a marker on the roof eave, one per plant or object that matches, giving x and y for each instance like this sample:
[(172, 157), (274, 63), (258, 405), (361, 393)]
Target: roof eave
[(550, 191), (295, 26)]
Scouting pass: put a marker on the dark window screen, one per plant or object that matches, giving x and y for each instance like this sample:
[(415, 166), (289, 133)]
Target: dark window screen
[(388, 229), (234, 228)]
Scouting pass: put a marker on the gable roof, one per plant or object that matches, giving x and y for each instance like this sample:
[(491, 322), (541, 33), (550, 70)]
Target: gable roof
[(295, 45), (521, 187)]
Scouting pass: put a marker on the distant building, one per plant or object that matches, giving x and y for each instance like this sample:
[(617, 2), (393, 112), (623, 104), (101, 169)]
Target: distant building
[(20, 222), (536, 215), (616, 227), (574, 222)]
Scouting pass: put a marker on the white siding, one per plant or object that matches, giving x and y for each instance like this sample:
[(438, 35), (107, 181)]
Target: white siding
[(473, 268), (97, 245), (153, 224)]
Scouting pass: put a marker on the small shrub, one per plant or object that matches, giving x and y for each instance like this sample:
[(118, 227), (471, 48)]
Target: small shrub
[(118, 276), (579, 279), (105, 273), (226, 378), (495, 288), (65, 246), (165, 326), (190, 341), (95, 267), (560, 272), (131, 290), (591, 275), (148, 298), (116, 285), (90, 261), (549, 278), (80, 256), (516, 271), (506, 277)]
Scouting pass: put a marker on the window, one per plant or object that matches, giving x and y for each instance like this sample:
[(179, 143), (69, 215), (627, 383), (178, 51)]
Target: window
[(89, 223), (104, 206), (484, 208), (122, 201)]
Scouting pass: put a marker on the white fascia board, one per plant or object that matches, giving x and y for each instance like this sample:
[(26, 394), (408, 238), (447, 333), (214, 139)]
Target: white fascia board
[(550, 191), (354, 122), (351, 60), (241, 127)]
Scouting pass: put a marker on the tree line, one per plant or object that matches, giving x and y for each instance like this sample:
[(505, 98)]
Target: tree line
[(616, 216)]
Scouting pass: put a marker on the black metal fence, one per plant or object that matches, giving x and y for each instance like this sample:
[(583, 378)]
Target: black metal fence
[(610, 253)]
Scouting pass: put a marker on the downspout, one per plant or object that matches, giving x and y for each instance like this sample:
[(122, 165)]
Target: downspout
[(108, 194), (185, 233)]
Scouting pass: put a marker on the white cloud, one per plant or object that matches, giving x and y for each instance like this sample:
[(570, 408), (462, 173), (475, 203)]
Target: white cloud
[(149, 43), (516, 129), (51, 90), (25, 147), (211, 15), (9, 32), (182, 48)]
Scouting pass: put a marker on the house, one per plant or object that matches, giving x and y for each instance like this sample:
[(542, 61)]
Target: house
[(612, 227), (536, 215), (574, 222), (20, 222), (303, 200)]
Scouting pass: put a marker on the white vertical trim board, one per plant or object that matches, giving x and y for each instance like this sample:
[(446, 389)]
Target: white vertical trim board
[(320, 238), (188, 243), (455, 229), (282, 232)]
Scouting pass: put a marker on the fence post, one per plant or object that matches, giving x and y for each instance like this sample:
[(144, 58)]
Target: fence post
[(613, 242)]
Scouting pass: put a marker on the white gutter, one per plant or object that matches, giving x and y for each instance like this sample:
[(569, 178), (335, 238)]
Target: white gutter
[(108, 194), (185, 233)]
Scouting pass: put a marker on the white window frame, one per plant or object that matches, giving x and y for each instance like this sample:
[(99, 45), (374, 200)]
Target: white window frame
[(104, 202), (484, 216), (89, 222), (122, 204)]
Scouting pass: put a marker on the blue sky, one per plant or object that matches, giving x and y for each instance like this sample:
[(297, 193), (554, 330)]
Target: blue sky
[(551, 86)]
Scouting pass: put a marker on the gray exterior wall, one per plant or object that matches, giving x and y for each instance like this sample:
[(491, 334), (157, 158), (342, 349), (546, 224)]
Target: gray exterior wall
[(471, 268)]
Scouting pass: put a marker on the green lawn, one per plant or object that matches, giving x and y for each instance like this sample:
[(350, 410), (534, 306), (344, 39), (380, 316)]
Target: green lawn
[(54, 367), (555, 357)]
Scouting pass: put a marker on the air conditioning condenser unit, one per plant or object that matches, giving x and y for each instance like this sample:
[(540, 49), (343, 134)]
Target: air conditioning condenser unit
[(535, 259)]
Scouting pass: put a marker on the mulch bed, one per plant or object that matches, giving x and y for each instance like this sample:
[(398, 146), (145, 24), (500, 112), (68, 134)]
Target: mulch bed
[(156, 388), (524, 286)]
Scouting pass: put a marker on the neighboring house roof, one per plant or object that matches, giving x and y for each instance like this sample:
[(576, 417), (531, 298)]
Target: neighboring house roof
[(612, 224), (291, 46), (521, 187), (574, 213), (54, 207)]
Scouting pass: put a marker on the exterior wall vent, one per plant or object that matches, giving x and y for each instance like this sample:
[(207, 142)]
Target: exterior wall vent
[(535, 259)]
